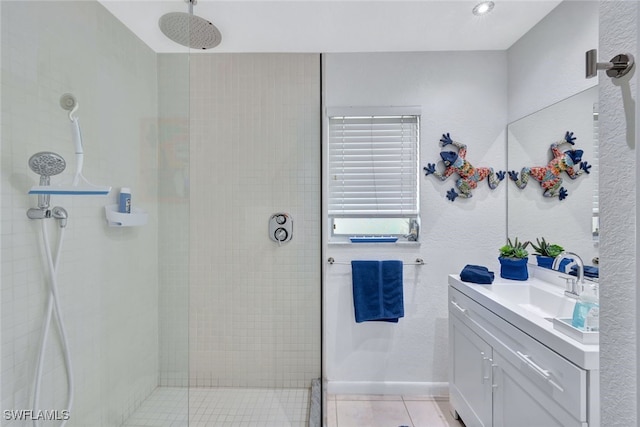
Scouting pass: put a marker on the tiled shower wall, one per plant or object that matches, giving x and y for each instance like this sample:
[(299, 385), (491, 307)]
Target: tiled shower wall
[(255, 150), (108, 277)]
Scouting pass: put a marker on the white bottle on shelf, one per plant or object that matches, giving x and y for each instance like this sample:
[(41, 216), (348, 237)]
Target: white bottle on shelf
[(124, 200)]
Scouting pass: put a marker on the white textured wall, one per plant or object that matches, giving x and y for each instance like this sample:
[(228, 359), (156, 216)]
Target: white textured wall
[(547, 64), (411, 356), (255, 150), (619, 250), (107, 276)]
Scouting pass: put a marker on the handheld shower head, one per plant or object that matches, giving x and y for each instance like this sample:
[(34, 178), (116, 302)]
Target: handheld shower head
[(46, 164)]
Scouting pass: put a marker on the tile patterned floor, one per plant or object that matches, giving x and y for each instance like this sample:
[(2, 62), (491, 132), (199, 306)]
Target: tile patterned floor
[(235, 407), (222, 407), (388, 411)]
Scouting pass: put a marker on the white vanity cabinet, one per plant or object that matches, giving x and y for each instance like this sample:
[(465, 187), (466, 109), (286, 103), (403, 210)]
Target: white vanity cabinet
[(501, 376), (470, 375)]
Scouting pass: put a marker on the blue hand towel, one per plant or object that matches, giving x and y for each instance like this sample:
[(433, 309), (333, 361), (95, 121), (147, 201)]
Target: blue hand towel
[(377, 290), (589, 271), (477, 274)]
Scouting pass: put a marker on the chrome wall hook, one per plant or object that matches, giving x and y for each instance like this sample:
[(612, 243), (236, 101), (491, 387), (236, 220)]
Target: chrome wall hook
[(619, 65)]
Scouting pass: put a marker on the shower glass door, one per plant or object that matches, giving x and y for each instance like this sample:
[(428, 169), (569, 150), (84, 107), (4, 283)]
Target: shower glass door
[(122, 285), (197, 315), (254, 343)]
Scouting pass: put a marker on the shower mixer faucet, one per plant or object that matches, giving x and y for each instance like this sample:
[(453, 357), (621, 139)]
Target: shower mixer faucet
[(57, 212), (61, 215)]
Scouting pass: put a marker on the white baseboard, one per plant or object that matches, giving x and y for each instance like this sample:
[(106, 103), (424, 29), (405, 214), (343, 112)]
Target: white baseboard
[(435, 390)]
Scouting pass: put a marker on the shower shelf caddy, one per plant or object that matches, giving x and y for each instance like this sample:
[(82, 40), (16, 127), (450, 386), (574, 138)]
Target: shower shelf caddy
[(136, 218)]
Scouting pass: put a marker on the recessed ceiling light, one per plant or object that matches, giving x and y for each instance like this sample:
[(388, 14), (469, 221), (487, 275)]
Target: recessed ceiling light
[(483, 8)]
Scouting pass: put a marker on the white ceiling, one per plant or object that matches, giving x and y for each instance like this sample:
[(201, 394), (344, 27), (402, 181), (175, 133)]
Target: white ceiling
[(339, 25)]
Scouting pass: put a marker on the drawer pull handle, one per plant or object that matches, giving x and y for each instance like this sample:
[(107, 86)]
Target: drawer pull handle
[(533, 365), (544, 373), (461, 309)]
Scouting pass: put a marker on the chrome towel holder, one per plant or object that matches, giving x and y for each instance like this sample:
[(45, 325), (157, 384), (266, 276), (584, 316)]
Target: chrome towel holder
[(418, 261)]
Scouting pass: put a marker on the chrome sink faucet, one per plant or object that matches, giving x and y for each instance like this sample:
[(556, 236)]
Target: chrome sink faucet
[(574, 286)]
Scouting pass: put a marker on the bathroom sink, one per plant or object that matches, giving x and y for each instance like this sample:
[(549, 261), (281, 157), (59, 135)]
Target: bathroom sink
[(538, 299), (535, 307)]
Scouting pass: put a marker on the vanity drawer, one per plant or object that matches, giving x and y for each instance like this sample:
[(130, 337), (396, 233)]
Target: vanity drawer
[(466, 309), (557, 378), (554, 375)]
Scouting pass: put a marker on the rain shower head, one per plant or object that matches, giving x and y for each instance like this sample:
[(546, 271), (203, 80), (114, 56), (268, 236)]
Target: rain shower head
[(46, 164), (190, 30)]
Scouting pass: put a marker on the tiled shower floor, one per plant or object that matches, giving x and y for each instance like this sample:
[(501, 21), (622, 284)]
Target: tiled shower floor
[(223, 407)]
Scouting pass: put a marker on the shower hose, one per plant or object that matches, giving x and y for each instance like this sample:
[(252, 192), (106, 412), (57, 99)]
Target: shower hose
[(53, 308)]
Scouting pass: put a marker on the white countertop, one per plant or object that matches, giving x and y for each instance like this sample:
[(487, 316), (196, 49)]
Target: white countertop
[(584, 355)]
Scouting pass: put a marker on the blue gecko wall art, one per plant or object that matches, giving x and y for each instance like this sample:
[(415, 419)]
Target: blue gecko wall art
[(469, 176), (549, 176)]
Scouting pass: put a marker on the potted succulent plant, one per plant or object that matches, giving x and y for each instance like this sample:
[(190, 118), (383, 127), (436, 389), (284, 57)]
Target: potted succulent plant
[(546, 252), (513, 260)]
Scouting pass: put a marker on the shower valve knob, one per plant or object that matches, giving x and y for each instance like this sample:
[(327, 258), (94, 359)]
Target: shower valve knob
[(281, 227), (281, 234)]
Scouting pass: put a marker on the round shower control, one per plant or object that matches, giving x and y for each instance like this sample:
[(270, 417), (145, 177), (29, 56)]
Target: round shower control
[(281, 219), (281, 234)]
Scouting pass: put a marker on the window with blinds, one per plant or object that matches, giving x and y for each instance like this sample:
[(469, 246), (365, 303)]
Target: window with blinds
[(373, 174)]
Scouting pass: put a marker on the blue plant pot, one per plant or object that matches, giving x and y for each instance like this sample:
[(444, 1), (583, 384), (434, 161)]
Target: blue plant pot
[(514, 268), (547, 262)]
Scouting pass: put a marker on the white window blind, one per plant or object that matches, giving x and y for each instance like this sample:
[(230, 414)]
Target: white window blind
[(373, 166)]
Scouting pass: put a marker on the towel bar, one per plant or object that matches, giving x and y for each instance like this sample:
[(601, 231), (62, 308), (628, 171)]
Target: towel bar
[(418, 261)]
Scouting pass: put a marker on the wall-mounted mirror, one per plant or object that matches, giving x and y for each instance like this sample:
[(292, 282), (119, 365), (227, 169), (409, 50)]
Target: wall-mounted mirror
[(572, 222)]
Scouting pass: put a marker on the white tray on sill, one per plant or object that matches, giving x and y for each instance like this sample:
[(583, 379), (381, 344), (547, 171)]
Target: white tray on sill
[(137, 217), (564, 325)]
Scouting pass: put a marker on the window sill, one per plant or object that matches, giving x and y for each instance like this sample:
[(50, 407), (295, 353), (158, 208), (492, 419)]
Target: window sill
[(404, 243)]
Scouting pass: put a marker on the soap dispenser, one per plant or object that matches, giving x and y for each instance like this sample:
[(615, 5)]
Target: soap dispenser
[(586, 313)]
